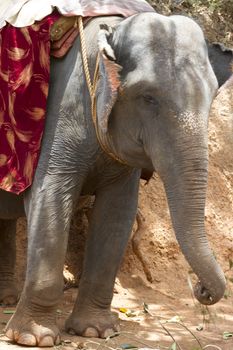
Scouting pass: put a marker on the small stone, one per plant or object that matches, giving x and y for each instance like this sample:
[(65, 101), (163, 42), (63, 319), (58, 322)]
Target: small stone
[(199, 328)]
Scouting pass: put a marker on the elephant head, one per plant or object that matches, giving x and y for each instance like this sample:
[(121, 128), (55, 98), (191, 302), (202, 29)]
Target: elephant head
[(154, 94)]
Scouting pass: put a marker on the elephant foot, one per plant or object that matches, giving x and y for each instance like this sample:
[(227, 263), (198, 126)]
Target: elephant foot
[(96, 324), (33, 328), (9, 295)]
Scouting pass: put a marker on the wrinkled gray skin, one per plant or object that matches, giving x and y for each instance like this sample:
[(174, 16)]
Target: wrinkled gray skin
[(158, 121)]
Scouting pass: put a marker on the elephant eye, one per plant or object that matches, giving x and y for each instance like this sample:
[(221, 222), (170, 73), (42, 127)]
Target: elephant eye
[(150, 99)]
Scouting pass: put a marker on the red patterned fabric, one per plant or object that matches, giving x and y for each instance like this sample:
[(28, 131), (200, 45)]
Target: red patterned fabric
[(24, 75), (24, 78)]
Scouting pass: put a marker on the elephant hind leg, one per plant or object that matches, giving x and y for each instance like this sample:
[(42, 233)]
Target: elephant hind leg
[(8, 290)]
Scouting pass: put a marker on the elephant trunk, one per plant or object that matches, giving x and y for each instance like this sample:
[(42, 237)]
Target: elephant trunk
[(185, 187)]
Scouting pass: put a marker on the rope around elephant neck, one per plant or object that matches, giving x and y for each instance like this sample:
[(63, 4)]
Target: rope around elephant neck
[(91, 86), (92, 89)]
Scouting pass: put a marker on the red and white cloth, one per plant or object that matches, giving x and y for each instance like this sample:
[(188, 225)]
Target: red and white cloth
[(21, 13), (24, 76)]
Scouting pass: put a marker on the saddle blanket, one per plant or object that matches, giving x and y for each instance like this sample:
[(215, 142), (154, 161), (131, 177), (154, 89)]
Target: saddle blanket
[(21, 13), (25, 49)]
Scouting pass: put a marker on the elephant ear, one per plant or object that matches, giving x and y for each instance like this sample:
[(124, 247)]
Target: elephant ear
[(109, 78), (221, 59)]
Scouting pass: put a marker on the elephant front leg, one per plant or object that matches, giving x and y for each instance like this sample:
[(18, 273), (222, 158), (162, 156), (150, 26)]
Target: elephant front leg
[(110, 227), (8, 290), (48, 212)]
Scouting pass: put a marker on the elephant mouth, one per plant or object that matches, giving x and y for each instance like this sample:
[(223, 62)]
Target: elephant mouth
[(203, 295), (147, 174)]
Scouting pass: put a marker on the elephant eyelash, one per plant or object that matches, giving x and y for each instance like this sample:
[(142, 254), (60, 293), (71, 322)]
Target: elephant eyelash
[(150, 99)]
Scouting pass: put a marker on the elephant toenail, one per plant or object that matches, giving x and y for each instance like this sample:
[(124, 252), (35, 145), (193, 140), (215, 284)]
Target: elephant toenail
[(117, 328), (46, 341), (16, 335), (58, 340), (91, 333), (107, 333), (10, 334), (27, 339)]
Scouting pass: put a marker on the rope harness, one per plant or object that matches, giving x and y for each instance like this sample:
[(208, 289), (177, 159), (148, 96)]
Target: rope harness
[(92, 89)]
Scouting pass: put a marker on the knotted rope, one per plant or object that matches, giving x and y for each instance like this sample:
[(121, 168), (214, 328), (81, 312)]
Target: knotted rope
[(92, 88)]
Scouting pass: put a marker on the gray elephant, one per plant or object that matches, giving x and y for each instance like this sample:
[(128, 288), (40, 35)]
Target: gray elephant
[(154, 93)]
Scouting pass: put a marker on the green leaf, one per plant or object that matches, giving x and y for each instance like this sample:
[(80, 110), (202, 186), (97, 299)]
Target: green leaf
[(227, 335), (8, 312), (173, 347)]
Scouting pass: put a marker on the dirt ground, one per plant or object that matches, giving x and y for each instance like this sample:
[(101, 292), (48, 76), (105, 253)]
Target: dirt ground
[(152, 294)]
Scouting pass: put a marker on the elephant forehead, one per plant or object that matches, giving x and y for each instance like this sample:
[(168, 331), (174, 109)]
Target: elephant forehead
[(158, 55), (165, 37), (168, 74)]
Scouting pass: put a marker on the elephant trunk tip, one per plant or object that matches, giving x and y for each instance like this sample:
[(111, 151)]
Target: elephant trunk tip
[(205, 297)]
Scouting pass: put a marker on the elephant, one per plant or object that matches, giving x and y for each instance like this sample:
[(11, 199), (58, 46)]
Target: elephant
[(153, 97)]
